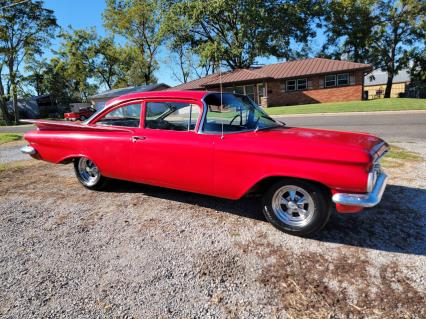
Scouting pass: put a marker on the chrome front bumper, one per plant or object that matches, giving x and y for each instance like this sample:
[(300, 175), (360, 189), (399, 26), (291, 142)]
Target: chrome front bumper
[(364, 200), (28, 150)]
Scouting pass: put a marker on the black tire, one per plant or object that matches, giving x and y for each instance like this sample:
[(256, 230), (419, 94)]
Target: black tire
[(317, 216), (97, 184)]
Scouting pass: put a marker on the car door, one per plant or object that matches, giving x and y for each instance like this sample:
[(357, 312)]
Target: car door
[(112, 150), (169, 152)]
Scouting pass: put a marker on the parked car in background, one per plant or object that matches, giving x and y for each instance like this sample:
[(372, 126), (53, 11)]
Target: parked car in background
[(81, 114), (220, 144)]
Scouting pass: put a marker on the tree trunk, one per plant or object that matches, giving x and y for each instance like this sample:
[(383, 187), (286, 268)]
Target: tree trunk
[(3, 103), (4, 111), (15, 104), (389, 85), (14, 90)]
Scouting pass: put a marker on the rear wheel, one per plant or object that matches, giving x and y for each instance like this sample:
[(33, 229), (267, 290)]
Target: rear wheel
[(296, 207), (88, 174)]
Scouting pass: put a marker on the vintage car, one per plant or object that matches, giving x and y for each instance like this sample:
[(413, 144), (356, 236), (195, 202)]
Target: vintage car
[(220, 144), (81, 114)]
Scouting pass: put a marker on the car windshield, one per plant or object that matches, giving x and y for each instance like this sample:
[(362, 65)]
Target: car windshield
[(230, 113), (99, 110)]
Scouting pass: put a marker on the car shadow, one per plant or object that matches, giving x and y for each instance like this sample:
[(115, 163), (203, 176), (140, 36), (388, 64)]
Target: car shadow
[(397, 224), (248, 207)]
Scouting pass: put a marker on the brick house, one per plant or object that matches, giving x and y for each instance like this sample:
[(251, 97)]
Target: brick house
[(306, 81)]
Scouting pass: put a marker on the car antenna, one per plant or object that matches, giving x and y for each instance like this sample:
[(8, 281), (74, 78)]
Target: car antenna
[(221, 95)]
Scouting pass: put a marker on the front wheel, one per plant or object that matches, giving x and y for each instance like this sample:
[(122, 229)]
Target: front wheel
[(88, 174), (296, 207)]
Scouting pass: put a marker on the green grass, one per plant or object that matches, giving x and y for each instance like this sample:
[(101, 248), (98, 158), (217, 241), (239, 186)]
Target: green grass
[(402, 154), (9, 137), (398, 156), (395, 104)]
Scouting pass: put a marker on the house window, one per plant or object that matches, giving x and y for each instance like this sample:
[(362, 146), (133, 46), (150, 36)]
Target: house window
[(295, 85), (302, 84), (330, 80), (343, 79), (239, 89), (242, 89), (250, 91), (291, 85)]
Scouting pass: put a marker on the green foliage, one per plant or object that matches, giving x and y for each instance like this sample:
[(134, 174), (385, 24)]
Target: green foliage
[(398, 30), (349, 25), (25, 29), (418, 69), (138, 21), (380, 32), (236, 32)]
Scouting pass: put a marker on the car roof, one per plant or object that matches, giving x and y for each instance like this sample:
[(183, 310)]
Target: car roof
[(193, 95)]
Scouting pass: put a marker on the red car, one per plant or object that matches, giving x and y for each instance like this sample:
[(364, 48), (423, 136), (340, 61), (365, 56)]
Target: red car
[(221, 145), (82, 114)]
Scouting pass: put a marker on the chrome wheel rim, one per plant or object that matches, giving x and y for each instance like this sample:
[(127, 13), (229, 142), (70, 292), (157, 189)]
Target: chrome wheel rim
[(293, 206), (88, 172)]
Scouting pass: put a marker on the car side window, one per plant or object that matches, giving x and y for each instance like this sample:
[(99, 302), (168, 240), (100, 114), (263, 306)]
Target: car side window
[(128, 116), (172, 116)]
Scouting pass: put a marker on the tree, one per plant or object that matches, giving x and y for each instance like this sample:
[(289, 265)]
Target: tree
[(109, 63), (37, 71), (401, 26), (139, 22), (349, 25), (418, 68), (135, 65), (76, 54), (238, 31), (25, 28)]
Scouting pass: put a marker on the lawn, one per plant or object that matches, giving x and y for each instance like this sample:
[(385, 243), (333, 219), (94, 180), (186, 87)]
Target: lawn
[(395, 104), (9, 137)]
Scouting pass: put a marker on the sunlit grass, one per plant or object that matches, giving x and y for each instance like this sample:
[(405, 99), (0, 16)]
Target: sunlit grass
[(394, 104), (397, 156), (9, 137)]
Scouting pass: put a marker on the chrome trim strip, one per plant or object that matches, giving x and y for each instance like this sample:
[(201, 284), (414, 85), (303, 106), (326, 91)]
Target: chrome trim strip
[(364, 200), (28, 150)]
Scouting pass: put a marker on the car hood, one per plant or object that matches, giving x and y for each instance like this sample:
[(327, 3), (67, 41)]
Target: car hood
[(322, 144)]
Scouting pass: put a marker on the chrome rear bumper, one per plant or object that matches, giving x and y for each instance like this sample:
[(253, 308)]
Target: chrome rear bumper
[(28, 150), (364, 200)]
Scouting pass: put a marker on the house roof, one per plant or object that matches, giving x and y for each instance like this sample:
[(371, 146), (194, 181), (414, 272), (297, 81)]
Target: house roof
[(131, 89), (379, 77), (282, 70)]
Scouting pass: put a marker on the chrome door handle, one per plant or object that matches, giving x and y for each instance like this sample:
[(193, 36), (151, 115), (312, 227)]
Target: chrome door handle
[(138, 138)]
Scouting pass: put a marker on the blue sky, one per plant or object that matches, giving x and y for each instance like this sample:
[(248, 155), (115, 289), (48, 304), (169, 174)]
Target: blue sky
[(88, 13)]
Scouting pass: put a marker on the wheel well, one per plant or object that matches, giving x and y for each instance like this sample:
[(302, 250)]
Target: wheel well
[(69, 160), (262, 186)]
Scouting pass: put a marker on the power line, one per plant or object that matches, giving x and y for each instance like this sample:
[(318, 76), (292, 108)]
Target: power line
[(14, 4)]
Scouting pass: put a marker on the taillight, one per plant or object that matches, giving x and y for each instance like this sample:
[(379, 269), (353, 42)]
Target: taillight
[(372, 177)]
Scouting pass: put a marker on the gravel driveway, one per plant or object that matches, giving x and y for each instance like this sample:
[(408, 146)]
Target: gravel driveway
[(146, 252), (10, 152)]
